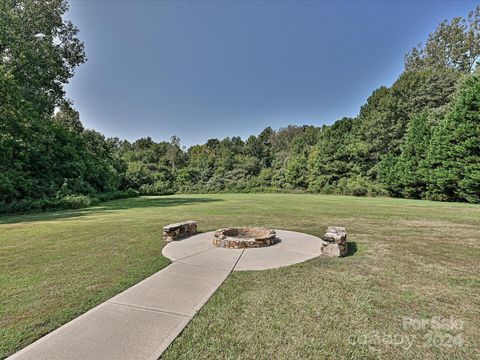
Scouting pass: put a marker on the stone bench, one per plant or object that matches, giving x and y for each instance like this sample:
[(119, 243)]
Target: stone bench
[(176, 231), (335, 242)]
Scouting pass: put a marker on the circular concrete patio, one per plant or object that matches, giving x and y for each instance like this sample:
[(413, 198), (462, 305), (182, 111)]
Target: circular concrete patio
[(294, 247)]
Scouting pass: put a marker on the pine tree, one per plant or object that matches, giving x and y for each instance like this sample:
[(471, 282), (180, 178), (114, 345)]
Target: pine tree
[(454, 154), (410, 169)]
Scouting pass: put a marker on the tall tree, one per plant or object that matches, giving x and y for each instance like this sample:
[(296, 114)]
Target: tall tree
[(454, 154), (332, 158), (43, 155), (407, 175), (454, 44), (39, 49), (383, 120), (69, 117)]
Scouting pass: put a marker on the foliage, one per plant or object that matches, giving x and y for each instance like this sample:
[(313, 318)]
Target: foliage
[(331, 159), (453, 158), (454, 44), (65, 202), (45, 152), (406, 175)]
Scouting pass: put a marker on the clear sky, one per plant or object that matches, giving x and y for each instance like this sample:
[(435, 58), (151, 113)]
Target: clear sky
[(206, 69)]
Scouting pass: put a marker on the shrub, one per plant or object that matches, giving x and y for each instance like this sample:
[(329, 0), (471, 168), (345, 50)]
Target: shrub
[(157, 188), (29, 205), (66, 202), (74, 186), (215, 184), (114, 195), (75, 202)]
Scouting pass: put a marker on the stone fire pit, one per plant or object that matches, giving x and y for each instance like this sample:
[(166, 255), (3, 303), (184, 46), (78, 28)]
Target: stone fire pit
[(244, 237)]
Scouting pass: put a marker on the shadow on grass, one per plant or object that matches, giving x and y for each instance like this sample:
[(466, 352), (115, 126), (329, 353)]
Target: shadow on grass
[(109, 206), (352, 248), (146, 202)]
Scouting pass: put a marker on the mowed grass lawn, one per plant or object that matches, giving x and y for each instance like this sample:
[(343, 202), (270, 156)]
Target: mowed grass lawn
[(408, 259)]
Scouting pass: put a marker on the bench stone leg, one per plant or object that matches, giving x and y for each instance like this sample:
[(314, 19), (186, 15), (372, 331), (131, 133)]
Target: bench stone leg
[(172, 233), (335, 242)]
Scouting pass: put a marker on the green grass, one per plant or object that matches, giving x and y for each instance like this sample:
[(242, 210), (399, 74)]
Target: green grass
[(415, 259)]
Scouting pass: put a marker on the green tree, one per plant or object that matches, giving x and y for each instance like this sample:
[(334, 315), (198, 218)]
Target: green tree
[(454, 154), (69, 117), (407, 174), (331, 159), (174, 152), (454, 44), (39, 49), (383, 121), (296, 170)]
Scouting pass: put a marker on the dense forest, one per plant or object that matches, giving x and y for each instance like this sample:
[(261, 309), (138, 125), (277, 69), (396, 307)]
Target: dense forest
[(419, 138)]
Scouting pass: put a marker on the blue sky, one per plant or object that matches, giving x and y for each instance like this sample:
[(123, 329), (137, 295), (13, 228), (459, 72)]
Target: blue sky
[(205, 69)]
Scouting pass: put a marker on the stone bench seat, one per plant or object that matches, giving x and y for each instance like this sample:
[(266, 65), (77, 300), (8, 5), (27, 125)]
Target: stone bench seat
[(176, 231), (335, 242)]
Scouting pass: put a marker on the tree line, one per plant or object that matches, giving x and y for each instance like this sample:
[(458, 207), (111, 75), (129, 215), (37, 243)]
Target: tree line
[(419, 138)]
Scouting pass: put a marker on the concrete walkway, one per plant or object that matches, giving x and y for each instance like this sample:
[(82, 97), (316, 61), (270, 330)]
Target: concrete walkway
[(142, 321)]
